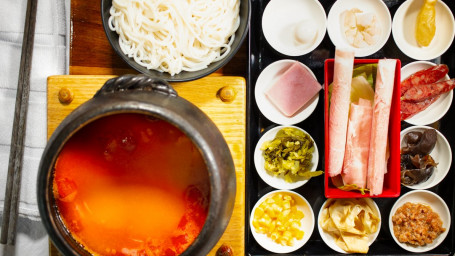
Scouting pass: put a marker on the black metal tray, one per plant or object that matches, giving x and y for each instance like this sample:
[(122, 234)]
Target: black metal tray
[(261, 54)]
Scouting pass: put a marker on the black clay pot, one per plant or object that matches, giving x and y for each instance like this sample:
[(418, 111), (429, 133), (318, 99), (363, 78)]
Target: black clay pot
[(154, 97)]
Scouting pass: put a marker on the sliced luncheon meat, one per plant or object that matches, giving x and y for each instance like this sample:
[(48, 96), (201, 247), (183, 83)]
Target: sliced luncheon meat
[(377, 162), (293, 90), (339, 109), (357, 147)]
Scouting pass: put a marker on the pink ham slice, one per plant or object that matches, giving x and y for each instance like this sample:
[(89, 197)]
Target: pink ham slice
[(293, 90), (339, 109), (377, 163), (357, 147)]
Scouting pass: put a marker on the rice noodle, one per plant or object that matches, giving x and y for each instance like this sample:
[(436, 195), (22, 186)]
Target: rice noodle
[(175, 35)]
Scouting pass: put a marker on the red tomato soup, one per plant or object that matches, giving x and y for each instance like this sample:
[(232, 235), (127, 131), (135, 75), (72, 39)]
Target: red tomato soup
[(129, 184)]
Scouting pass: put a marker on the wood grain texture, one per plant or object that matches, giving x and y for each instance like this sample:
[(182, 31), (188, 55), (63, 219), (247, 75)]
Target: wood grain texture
[(204, 94), (91, 53)]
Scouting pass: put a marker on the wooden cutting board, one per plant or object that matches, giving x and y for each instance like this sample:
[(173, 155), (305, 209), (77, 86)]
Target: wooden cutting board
[(230, 118)]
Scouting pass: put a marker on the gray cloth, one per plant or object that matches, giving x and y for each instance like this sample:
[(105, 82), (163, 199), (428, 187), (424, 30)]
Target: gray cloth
[(49, 58), (31, 240)]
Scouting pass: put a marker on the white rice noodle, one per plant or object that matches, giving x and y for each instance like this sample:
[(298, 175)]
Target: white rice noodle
[(175, 35)]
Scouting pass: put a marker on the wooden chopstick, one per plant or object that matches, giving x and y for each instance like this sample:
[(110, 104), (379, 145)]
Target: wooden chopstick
[(13, 182)]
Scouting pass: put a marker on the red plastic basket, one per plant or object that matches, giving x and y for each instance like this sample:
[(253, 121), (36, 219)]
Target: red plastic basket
[(392, 184)]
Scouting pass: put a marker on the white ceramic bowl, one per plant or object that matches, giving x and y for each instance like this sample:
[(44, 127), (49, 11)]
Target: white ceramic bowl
[(279, 21), (266, 79), (335, 27), (330, 240), (442, 154), (307, 224), (436, 203), (278, 181), (403, 30), (436, 110)]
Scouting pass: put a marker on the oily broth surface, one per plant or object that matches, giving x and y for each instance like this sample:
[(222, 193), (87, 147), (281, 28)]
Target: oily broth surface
[(127, 184)]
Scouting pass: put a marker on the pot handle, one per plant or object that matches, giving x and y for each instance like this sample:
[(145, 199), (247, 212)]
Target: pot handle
[(136, 83)]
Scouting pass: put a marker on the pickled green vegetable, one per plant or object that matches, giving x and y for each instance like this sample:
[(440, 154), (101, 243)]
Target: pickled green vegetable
[(289, 155), (338, 182)]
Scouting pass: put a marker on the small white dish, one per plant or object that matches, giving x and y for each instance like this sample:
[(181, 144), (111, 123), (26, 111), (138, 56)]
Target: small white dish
[(442, 154), (436, 203), (278, 181), (403, 30), (307, 224), (266, 79), (280, 19), (436, 110), (330, 240), (335, 24)]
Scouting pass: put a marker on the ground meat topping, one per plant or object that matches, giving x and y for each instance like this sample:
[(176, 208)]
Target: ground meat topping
[(416, 224)]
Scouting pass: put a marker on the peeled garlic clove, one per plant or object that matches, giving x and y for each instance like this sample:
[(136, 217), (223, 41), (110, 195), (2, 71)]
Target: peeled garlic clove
[(305, 32), (365, 19), (369, 39), (350, 35), (349, 19), (361, 29), (359, 41)]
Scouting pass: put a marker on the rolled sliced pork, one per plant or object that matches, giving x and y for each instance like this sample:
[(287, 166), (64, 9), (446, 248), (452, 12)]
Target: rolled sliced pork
[(357, 144), (377, 159), (339, 109)]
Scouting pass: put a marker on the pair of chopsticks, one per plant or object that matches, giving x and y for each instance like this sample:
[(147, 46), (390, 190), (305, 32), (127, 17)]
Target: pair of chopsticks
[(13, 182)]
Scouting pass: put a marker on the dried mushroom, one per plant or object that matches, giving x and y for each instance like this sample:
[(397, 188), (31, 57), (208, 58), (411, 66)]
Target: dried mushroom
[(417, 165)]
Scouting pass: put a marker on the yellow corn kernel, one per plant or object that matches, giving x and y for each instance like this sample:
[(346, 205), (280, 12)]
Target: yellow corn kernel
[(265, 221), (287, 205), (270, 201), (275, 236), (272, 213), (287, 225), (295, 225), (299, 215), (278, 198), (272, 226), (279, 219), (299, 234), (261, 230), (286, 213), (287, 234), (258, 213), (277, 209), (256, 223), (290, 243)]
